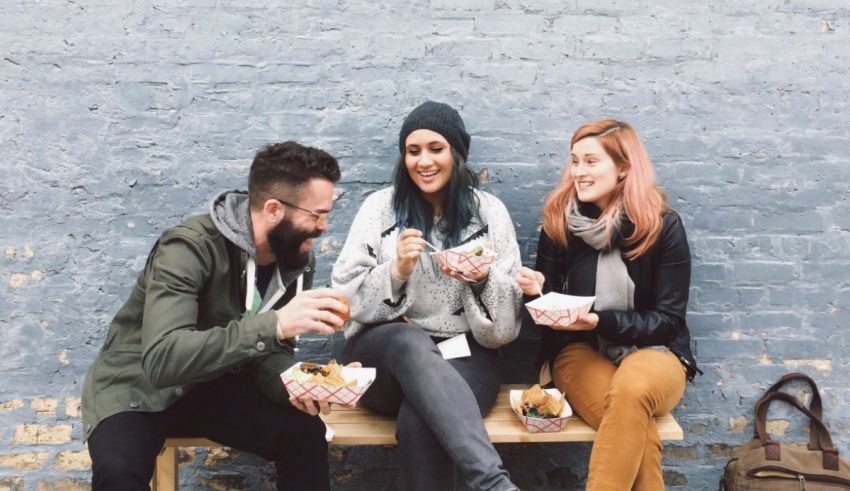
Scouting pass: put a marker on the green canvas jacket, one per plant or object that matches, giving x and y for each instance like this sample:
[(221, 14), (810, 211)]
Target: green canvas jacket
[(183, 324)]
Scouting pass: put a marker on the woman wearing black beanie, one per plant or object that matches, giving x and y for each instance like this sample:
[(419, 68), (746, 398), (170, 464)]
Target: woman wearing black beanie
[(403, 303)]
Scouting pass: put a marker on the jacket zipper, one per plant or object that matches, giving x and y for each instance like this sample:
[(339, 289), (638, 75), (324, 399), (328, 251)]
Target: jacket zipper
[(690, 370), (801, 478)]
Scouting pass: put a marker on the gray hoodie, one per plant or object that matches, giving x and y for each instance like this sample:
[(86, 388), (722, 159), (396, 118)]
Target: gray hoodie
[(231, 215)]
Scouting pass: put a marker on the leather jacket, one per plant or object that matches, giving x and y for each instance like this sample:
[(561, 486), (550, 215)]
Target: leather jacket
[(662, 280)]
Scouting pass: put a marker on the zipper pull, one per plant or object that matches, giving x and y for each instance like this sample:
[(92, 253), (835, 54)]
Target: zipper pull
[(802, 480)]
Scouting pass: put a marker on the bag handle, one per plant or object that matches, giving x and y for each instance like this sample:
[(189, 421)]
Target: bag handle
[(821, 435), (815, 406)]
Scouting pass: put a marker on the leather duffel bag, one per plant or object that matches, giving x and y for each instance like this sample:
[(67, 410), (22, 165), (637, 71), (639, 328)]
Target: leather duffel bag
[(766, 464)]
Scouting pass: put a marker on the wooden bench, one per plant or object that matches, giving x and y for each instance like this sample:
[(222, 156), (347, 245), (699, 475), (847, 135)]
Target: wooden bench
[(359, 426)]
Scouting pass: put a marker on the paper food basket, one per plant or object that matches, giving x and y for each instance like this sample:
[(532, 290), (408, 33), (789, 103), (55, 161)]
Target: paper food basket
[(334, 394), (541, 425), (557, 309), (457, 259)]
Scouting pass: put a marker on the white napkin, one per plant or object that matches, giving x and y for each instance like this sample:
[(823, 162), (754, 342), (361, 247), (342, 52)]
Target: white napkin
[(456, 347)]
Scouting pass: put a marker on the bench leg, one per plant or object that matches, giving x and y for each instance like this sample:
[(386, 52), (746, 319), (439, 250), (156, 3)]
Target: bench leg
[(165, 474)]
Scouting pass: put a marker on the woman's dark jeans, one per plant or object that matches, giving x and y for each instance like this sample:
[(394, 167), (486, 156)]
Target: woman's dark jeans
[(440, 404)]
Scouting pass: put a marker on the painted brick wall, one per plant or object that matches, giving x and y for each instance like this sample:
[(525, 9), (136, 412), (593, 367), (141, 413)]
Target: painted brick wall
[(119, 118)]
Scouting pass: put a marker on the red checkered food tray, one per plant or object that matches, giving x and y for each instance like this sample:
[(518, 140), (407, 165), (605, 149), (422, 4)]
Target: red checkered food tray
[(335, 394), (541, 425), (459, 259), (557, 309)]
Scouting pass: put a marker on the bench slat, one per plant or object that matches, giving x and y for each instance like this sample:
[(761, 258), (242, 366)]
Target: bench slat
[(502, 425), (360, 426)]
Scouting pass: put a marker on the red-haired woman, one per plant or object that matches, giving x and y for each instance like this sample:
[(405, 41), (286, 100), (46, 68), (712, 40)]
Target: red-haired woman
[(608, 232)]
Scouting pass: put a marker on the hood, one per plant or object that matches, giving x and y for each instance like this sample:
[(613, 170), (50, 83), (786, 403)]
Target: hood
[(232, 217)]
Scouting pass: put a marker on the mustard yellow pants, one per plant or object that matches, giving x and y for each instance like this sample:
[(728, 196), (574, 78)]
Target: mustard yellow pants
[(620, 403)]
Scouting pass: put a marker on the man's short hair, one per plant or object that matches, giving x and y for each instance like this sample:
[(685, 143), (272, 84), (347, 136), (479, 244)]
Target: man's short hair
[(284, 167)]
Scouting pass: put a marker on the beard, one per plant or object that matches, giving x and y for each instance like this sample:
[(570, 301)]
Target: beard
[(285, 241)]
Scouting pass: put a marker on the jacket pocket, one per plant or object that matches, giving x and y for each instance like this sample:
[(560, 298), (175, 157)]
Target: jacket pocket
[(115, 364)]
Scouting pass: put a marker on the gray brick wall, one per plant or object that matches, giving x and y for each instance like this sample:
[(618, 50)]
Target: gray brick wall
[(119, 118)]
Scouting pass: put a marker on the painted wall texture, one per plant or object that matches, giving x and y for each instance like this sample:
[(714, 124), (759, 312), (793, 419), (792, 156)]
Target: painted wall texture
[(119, 118)]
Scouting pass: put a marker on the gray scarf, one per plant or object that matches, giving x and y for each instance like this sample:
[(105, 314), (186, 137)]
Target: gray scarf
[(615, 289)]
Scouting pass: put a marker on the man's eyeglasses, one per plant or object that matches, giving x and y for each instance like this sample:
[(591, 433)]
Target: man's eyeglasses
[(320, 217)]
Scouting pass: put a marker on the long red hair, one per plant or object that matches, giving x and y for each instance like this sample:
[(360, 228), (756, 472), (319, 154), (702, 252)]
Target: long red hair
[(637, 194)]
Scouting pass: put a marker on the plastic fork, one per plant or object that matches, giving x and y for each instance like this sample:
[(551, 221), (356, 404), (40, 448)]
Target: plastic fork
[(537, 287), (432, 246)]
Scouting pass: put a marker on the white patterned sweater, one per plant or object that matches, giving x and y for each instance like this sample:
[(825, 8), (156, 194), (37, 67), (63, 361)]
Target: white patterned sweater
[(439, 304)]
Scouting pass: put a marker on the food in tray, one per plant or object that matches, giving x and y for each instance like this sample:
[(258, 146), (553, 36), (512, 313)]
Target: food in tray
[(330, 374), (537, 403), (332, 382), (478, 250)]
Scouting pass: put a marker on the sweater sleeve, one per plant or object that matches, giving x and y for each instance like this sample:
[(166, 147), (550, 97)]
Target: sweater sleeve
[(360, 275), (494, 315)]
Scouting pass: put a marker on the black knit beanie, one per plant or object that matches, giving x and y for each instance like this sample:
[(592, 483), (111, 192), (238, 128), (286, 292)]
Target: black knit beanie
[(438, 117)]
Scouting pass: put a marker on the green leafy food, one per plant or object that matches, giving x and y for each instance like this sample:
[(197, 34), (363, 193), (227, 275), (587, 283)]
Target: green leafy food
[(531, 412)]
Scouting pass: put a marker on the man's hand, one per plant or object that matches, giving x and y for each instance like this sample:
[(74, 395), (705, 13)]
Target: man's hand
[(310, 311), (310, 406), (315, 406)]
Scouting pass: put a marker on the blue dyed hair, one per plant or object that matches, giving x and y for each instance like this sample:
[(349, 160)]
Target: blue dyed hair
[(413, 211)]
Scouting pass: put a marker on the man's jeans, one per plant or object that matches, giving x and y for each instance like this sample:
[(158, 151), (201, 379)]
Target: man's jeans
[(439, 403), (229, 410)]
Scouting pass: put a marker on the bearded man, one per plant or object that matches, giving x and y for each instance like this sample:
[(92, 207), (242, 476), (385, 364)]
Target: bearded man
[(211, 322)]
